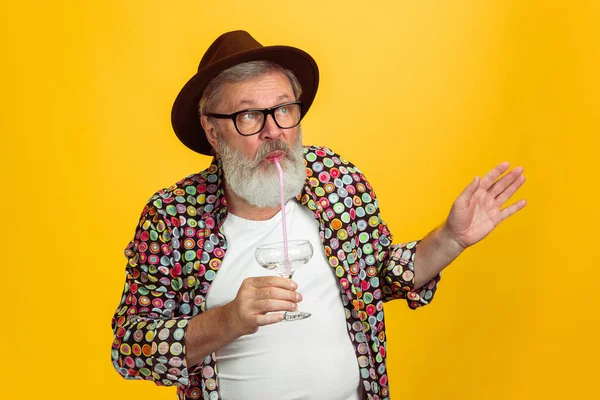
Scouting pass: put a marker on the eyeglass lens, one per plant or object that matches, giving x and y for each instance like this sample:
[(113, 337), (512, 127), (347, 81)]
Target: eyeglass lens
[(286, 116)]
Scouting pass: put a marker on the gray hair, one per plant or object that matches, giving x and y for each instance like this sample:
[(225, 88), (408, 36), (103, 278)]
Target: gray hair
[(238, 73)]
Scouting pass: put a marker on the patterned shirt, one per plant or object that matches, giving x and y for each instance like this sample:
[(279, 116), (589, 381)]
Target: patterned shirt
[(179, 245)]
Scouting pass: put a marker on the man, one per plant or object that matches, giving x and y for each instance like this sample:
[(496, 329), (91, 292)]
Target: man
[(195, 298)]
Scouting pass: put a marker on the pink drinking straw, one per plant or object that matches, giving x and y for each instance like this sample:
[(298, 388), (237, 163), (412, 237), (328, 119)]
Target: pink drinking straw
[(285, 241)]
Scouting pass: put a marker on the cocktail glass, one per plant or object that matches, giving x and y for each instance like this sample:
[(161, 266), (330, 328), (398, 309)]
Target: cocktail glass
[(272, 257)]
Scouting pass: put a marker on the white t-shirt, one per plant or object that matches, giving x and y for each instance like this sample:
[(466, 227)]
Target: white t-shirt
[(306, 359)]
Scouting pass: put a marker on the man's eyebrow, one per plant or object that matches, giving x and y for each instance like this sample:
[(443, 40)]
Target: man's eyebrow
[(251, 103)]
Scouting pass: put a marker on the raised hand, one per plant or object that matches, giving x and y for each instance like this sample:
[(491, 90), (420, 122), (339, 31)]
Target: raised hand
[(478, 209)]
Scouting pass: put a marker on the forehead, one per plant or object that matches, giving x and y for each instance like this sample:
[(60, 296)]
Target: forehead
[(262, 91)]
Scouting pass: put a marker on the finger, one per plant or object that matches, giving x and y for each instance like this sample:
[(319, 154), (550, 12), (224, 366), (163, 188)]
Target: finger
[(274, 281), (278, 294), (272, 305), (509, 191), (501, 184), (510, 210), (268, 319), (491, 176)]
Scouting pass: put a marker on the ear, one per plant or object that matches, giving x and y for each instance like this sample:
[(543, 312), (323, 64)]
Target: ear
[(210, 130)]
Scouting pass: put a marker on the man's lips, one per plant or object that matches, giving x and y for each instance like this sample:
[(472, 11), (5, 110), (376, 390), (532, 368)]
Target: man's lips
[(274, 154)]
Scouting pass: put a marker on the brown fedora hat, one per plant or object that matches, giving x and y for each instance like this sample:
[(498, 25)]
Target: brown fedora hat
[(227, 50)]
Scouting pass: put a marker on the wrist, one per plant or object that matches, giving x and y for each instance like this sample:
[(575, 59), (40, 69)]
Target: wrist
[(227, 320), (207, 332), (231, 323), (450, 243)]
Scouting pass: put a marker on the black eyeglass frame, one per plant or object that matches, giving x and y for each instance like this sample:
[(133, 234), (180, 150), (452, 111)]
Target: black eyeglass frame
[(266, 112)]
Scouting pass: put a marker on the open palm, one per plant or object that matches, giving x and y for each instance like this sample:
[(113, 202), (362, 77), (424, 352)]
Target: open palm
[(477, 210)]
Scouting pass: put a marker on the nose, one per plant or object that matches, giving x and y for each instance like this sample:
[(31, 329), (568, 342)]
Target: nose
[(270, 131)]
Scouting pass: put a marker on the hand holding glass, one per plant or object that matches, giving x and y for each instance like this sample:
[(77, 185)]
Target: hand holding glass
[(272, 257)]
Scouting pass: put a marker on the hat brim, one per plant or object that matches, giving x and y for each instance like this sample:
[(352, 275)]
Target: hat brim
[(185, 117)]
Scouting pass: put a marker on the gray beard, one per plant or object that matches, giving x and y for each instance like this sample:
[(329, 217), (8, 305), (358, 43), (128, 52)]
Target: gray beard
[(260, 186)]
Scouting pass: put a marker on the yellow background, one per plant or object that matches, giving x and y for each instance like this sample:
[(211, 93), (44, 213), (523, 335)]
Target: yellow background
[(421, 95)]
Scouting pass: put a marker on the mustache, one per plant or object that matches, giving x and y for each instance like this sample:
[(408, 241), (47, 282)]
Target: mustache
[(269, 147)]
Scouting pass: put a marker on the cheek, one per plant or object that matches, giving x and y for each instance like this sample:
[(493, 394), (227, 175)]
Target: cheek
[(243, 144), (249, 148), (291, 137)]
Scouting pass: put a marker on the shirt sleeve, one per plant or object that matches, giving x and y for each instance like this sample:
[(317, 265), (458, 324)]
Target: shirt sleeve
[(151, 321), (397, 271)]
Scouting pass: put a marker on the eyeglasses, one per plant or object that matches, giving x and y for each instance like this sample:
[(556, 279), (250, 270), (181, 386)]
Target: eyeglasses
[(250, 122)]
